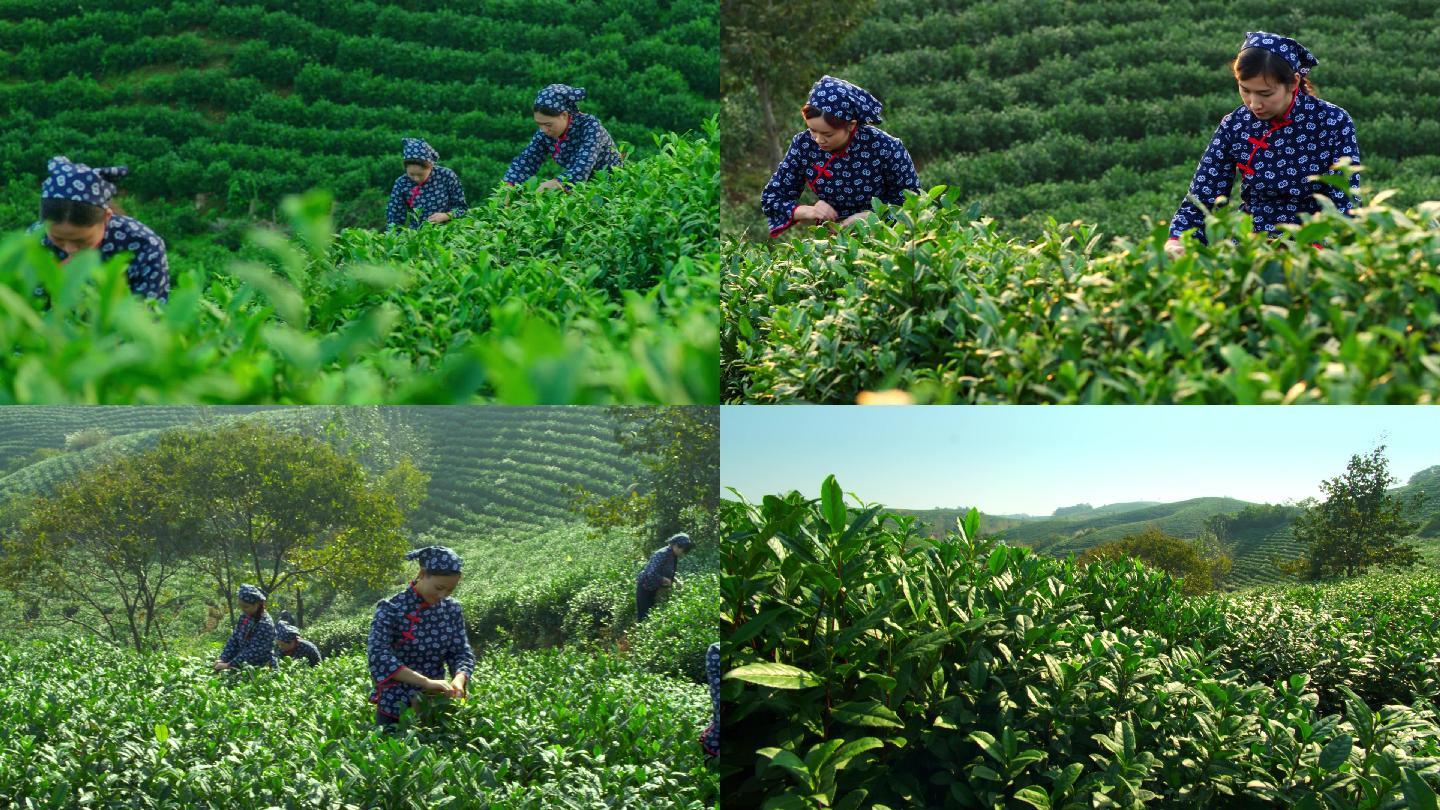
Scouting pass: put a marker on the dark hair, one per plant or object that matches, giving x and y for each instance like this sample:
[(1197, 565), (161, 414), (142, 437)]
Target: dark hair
[(70, 212), (815, 112), (550, 112), (1253, 62), (417, 162)]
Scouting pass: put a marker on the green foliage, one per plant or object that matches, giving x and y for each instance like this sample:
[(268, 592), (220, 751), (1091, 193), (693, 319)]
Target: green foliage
[(871, 666), (284, 507), (123, 527), (1375, 635), (603, 295), (1255, 517), (538, 730), (678, 452), (1358, 525), (1156, 549), (946, 307), (760, 52), (85, 439)]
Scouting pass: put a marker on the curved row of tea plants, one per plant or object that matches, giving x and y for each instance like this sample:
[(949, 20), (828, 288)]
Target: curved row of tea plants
[(103, 728), (947, 307), (607, 294), (872, 666)]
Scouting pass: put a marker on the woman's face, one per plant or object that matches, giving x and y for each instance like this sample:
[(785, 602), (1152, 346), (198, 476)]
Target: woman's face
[(73, 238), (1266, 99), (552, 125), (828, 138), (417, 173), (250, 608), (289, 646), (435, 587)]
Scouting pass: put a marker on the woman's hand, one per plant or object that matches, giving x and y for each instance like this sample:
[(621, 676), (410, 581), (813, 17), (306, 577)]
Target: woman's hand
[(1174, 248), (551, 185), (219, 665), (853, 218), (825, 212), (457, 685), (438, 217), (435, 687)]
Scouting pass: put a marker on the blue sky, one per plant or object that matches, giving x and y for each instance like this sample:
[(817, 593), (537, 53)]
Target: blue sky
[(1031, 459)]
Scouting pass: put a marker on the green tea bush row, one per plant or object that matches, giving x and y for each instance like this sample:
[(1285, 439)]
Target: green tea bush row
[(104, 728), (947, 307)]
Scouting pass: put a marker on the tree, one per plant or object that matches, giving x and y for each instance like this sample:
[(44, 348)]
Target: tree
[(780, 48), (1158, 550), (121, 528), (678, 450), (1358, 525), (1210, 549), (288, 509)]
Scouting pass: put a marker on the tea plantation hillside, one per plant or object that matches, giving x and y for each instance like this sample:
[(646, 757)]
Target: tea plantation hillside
[(573, 701), (241, 122), (242, 104), (1099, 111), (603, 295)]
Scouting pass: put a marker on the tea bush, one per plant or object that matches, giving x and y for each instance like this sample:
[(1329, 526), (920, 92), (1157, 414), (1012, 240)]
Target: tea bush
[(872, 666), (603, 295), (944, 305), (104, 728), (1375, 635)]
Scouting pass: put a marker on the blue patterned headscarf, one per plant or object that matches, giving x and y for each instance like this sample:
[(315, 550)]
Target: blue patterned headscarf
[(76, 181), (286, 631), (1295, 55), (416, 149), (844, 101), (560, 97), (250, 593), (682, 540), (436, 559)]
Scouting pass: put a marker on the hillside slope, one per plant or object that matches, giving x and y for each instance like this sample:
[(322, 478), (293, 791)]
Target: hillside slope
[(241, 104)]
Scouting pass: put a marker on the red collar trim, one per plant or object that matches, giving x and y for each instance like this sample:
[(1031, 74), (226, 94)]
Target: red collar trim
[(822, 170), (1263, 142)]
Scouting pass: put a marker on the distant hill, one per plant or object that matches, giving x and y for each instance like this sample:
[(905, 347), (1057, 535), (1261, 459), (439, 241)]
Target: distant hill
[(1061, 536), (1254, 548), (1424, 484), (940, 521)]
